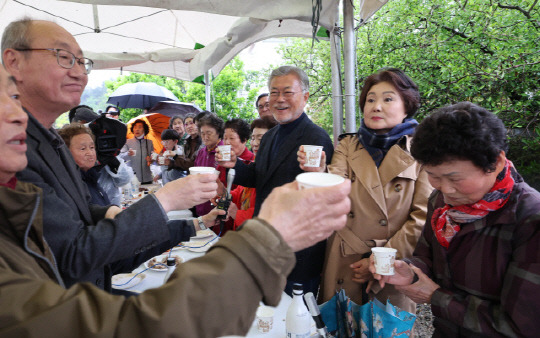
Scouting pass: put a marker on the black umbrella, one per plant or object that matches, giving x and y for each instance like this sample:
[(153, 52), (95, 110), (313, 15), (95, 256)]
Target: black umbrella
[(141, 95), (172, 108)]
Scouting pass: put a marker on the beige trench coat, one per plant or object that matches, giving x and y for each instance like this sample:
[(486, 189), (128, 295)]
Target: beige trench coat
[(388, 208)]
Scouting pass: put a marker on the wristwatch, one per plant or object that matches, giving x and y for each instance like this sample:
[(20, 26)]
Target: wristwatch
[(201, 223)]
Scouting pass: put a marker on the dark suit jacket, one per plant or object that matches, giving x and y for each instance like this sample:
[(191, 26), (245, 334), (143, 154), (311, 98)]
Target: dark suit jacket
[(82, 241), (265, 174)]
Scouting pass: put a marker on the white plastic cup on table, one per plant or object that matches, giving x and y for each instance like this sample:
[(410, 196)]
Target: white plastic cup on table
[(384, 259), (225, 151), (314, 180), (313, 155), (265, 319), (202, 170)]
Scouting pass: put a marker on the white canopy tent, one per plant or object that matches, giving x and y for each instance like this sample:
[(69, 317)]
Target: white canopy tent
[(180, 39)]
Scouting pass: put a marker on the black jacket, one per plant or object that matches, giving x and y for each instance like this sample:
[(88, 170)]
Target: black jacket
[(266, 174)]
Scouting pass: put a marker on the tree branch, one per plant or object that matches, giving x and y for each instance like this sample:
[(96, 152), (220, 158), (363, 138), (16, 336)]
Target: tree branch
[(523, 11), (466, 37)]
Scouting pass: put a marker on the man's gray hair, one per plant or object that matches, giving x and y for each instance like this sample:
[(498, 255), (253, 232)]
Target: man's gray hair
[(286, 70), (16, 35)]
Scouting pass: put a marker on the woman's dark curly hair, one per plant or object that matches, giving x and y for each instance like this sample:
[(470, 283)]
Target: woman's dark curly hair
[(462, 131), (407, 89), (240, 127), (145, 126), (211, 120), (71, 130)]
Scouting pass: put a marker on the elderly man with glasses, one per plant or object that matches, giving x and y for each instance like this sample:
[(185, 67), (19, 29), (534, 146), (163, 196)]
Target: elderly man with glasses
[(90, 242)]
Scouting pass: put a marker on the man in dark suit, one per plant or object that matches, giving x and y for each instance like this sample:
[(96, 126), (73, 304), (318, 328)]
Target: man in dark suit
[(276, 162), (89, 242)]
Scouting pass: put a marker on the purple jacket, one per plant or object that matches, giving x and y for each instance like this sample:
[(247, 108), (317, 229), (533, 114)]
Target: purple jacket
[(206, 158), (490, 274)]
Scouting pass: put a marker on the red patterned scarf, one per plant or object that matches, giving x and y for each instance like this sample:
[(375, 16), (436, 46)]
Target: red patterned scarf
[(446, 220)]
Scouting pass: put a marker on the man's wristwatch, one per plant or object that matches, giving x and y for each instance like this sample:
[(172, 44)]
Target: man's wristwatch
[(201, 223)]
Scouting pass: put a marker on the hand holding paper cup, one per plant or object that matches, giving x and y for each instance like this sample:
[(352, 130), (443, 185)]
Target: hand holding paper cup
[(202, 170), (313, 180), (265, 319), (225, 151), (313, 155), (384, 260)]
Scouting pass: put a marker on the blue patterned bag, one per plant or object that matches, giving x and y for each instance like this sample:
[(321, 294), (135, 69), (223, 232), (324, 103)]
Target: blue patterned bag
[(344, 318)]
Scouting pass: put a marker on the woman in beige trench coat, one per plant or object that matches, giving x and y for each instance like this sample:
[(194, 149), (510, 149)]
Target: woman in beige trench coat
[(389, 189)]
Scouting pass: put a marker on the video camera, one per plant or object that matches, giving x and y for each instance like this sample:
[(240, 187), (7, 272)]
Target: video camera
[(110, 138)]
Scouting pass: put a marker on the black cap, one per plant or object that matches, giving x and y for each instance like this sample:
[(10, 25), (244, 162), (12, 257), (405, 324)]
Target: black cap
[(83, 114), (298, 287), (171, 261)]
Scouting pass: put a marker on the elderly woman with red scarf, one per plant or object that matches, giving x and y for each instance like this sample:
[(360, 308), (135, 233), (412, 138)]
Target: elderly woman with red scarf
[(478, 260)]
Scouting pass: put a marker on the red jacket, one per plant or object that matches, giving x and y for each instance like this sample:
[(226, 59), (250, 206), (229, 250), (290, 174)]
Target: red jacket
[(244, 198)]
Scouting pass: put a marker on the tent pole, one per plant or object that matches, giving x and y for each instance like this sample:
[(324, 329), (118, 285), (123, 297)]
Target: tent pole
[(337, 91), (207, 91), (349, 56)]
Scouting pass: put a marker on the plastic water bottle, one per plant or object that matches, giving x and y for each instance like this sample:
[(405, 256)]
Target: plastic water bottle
[(298, 320), (134, 186)]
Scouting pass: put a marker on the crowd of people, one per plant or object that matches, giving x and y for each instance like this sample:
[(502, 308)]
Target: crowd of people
[(442, 192)]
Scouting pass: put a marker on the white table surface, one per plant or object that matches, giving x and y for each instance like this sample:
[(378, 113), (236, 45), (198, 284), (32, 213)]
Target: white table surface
[(154, 279)]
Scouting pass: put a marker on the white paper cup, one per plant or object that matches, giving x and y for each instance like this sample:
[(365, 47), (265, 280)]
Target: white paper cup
[(314, 180), (265, 319), (202, 170), (134, 151), (313, 156), (154, 156), (225, 151), (161, 160), (384, 260)]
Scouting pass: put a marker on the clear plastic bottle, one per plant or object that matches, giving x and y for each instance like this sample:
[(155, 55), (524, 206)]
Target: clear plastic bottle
[(298, 320)]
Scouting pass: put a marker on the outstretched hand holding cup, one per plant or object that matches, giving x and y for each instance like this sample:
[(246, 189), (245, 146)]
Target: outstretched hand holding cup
[(403, 274), (230, 163), (188, 191)]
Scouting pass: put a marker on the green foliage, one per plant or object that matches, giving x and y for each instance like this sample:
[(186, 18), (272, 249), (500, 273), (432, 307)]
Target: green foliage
[(233, 95), (95, 97), (486, 52)]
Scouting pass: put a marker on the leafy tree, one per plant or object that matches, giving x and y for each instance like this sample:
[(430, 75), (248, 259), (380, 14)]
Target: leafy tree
[(233, 95), (486, 52), (95, 97)]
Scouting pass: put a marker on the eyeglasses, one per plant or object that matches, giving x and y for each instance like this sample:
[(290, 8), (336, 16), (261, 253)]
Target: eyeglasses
[(262, 106), (65, 58), (288, 94)]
